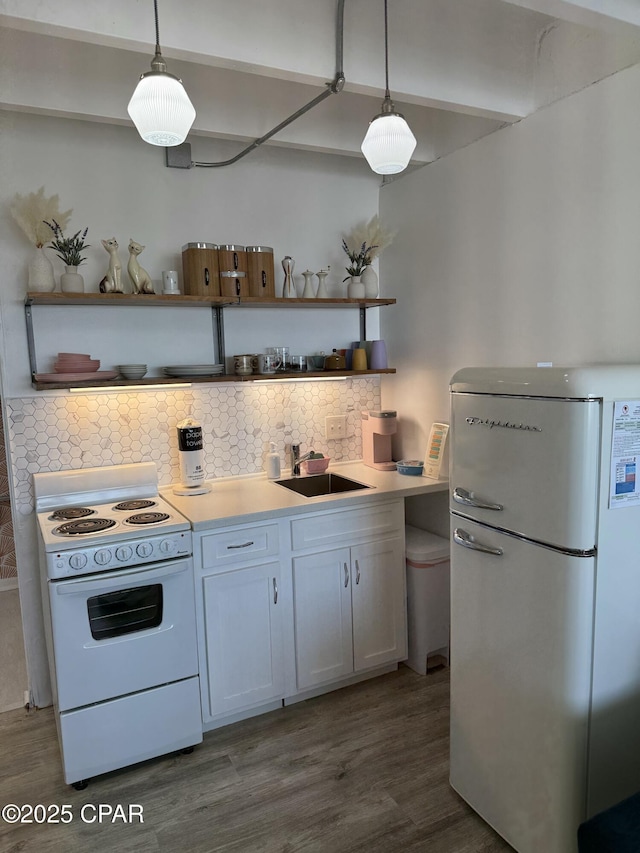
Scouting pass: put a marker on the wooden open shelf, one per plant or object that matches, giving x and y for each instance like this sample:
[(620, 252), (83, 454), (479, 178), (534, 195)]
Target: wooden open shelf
[(193, 380), (130, 300)]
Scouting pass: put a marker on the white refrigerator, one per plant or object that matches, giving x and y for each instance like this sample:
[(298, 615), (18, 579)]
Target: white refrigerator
[(545, 597)]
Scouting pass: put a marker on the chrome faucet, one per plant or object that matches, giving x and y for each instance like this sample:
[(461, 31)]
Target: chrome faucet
[(296, 459)]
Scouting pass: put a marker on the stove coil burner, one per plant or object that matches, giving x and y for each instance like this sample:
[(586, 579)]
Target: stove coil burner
[(147, 518), (71, 513), (131, 506), (88, 525)]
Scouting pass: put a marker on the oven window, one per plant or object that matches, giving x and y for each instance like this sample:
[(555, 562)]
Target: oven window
[(126, 611)]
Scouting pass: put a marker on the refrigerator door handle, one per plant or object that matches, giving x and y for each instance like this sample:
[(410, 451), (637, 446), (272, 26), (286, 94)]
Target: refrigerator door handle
[(461, 537), (462, 496)]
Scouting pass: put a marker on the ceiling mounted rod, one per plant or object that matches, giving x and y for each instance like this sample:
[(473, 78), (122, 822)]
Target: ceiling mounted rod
[(333, 88)]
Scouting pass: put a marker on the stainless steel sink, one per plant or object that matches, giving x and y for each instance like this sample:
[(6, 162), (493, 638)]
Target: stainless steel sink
[(321, 484)]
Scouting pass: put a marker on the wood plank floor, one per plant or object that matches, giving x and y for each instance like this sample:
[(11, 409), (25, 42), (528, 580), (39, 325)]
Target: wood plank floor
[(363, 769)]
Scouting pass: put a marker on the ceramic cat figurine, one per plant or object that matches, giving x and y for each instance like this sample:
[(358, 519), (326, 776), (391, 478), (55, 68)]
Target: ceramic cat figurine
[(112, 282), (140, 278)]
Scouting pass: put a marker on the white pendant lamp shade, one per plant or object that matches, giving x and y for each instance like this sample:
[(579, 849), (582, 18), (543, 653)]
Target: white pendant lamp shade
[(388, 144), (161, 110)]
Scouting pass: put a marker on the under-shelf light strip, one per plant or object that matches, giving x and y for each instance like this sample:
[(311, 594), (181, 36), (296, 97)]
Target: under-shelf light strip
[(101, 389)]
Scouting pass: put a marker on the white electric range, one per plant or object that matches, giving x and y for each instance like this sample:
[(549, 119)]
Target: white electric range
[(118, 600)]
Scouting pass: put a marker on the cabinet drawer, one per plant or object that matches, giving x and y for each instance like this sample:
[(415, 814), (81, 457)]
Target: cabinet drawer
[(239, 544), (327, 528)]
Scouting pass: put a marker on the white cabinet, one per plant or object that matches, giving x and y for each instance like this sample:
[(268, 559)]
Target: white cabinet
[(349, 603), (322, 617), (243, 628), (239, 602)]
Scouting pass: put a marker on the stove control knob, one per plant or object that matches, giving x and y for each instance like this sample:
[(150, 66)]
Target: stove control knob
[(102, 556), (144, 549), (167, 546), (124, 553), (78, 561)]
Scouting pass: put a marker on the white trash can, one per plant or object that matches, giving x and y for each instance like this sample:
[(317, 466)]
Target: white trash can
[(427, 598)]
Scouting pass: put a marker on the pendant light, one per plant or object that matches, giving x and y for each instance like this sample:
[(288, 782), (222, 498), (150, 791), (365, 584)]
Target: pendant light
[(160, 107), (389, 142)]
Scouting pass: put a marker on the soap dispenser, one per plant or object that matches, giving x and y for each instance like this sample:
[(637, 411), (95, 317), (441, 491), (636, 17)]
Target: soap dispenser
[(273, 462)]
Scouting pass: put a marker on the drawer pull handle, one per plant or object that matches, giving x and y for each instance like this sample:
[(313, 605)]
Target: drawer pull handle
[(275, 591), (346, 576), (357, 572), (235, 547)]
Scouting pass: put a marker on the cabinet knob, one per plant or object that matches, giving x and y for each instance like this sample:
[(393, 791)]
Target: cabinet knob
[(357, 572), (275, 591), (346, 576)]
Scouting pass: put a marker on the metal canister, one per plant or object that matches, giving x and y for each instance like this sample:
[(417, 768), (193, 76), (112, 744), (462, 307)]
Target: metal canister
[(200, 269), (260, 271), (233, 283)]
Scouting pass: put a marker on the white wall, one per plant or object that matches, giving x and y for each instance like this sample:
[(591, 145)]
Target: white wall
[(298, 203), (521, 248)]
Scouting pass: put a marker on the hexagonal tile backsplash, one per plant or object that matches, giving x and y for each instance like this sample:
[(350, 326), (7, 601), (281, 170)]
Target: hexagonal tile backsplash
[(53, 433)]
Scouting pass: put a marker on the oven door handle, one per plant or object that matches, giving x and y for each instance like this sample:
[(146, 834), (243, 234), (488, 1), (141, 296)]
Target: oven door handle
[(111, 580)]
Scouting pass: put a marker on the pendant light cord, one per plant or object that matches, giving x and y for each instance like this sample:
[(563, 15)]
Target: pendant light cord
[(155, 11), (387, 94)]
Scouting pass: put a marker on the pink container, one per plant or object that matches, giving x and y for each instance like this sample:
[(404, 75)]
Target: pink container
[(315, 466)]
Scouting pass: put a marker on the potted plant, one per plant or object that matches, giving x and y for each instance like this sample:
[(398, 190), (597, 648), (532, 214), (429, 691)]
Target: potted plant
[(359, 260), (30, 213), (69, 250), (372, 238)]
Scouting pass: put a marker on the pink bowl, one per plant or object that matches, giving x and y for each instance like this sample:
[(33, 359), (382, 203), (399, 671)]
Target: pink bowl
[(74, 356), (315, 466)]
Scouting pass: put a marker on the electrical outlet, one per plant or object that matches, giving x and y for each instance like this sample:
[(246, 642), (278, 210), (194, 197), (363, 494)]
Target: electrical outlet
[(335, 426)]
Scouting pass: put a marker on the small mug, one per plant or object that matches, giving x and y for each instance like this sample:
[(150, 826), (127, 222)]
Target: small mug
[(243, 364), (269, 363), (359, 359), (282, 353), (170, 281), (297, 363)]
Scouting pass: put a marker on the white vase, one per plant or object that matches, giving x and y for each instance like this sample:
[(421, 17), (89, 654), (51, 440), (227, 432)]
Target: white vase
[(355, 288), (41, 278), (71, 281), (307, 293), (370, 280)]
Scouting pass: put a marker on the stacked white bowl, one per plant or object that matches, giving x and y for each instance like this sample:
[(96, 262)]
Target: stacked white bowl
[(132, 371)]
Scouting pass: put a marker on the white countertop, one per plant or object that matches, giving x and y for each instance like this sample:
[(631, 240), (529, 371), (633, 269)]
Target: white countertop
[(238, 500)]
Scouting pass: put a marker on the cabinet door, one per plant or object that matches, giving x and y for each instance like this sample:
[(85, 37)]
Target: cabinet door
[(322, 608), (243, 628), (379, 603)]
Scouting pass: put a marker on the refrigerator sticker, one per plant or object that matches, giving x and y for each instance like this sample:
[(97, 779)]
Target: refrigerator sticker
[(625, 454)]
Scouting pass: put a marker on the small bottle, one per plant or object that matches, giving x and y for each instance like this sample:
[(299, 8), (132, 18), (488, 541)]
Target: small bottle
[(273, 462)]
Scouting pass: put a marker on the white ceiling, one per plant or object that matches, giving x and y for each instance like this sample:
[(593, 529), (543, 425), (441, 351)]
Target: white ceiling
[(458, 69)]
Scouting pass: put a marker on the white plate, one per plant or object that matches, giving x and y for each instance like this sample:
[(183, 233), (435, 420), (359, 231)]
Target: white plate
[(194, 370)]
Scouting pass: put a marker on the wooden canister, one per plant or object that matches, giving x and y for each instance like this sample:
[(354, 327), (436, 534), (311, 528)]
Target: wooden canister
[(200, 269), (233, 283), (232, 258), (260, 271)]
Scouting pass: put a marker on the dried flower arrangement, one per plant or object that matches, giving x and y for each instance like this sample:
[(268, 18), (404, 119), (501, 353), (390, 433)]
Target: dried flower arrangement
[(68, 249), (371, 238), (30, 213)]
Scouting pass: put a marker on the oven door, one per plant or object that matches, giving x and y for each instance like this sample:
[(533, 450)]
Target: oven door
[(121, 632)]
